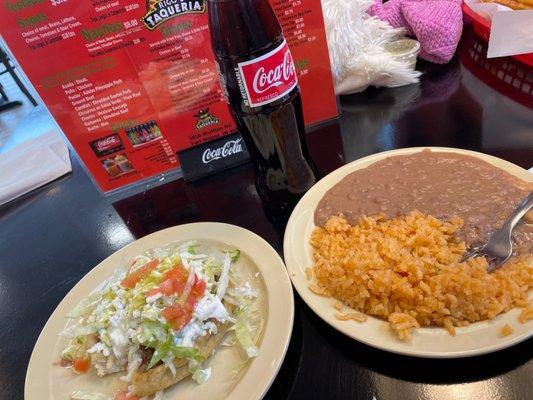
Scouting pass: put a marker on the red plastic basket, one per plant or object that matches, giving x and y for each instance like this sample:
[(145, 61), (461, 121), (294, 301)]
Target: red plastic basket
[(482, 29), (506, 75)]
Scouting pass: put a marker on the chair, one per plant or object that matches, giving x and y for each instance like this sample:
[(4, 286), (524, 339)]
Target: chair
[(10, 68), (5, 104)]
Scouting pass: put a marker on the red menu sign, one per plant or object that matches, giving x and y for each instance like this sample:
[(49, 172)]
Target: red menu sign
[(131, 82)]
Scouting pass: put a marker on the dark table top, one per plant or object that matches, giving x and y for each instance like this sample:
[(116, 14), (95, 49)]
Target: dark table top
[(51, 238)]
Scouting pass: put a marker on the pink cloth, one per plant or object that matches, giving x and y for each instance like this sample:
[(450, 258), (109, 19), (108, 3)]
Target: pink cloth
[(437, 24)]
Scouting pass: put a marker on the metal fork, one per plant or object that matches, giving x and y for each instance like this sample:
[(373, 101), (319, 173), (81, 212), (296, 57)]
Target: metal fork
[(499, 247)]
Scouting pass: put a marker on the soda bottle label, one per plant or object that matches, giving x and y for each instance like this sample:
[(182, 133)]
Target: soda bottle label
[(270, 77)]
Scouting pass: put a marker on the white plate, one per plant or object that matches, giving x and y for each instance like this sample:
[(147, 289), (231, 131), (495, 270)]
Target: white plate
[(46, 381), (478, 338)]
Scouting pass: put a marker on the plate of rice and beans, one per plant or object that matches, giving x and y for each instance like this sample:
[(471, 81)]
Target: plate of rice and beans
[(376, 247)]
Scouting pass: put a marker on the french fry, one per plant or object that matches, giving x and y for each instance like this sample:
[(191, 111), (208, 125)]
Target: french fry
[(514, 4)]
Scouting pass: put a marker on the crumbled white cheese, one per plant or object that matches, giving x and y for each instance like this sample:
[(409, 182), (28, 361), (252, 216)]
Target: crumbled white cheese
[(246, 291), (99, 348), (190, 332), (210, 307), (211, 327), (118, 335), (154, 298)]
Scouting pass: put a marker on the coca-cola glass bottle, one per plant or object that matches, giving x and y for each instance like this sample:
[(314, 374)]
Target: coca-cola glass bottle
[(260, 83)]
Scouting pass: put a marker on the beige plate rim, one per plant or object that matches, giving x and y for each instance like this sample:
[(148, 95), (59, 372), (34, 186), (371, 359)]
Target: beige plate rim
[(280, 306), (427, 342)]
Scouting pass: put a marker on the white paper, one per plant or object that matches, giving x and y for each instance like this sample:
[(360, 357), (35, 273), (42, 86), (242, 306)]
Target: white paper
[(32, 164), (511, 33)]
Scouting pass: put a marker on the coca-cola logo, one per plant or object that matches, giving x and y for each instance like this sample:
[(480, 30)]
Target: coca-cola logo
[(108, 143), (265, 80), (268, 78), (228, 149)]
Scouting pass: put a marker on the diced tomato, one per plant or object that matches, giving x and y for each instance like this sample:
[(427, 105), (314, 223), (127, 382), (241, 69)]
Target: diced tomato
[(178, 275), (199, 288), (153, 292), (177, 316), (180, 322), (167, 287), (81, 365), (122, 395), (191, 303), (132, 279), (173, 312), (178, 286), (174, 324), (177, 272), (173, 273)]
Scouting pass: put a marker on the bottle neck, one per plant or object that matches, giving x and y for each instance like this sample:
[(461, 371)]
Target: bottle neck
[(242, 28)]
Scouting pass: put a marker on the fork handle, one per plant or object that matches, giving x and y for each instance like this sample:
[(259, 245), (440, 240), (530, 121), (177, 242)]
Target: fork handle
[(521, 210)]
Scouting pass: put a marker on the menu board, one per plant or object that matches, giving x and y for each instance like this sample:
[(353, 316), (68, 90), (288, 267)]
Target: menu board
[(303, 26), (132, 82)]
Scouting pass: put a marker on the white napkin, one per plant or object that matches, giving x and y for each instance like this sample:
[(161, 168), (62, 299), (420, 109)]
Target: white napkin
[(511, 31), (32, 164)]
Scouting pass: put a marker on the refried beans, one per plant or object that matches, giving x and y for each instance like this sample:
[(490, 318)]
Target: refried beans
[(441, 184)]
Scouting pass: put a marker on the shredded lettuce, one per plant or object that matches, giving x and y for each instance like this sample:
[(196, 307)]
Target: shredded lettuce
[(234, 254), (69, 353), (168, 347), (248, 323), (224, 277), (85, 330), (79, 395), (168, 360), (152, 333), (84, 307), (159, 353), (201, 375), (134, 361), (150, 312), (72, 349), (150, 282), (212, 268)]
